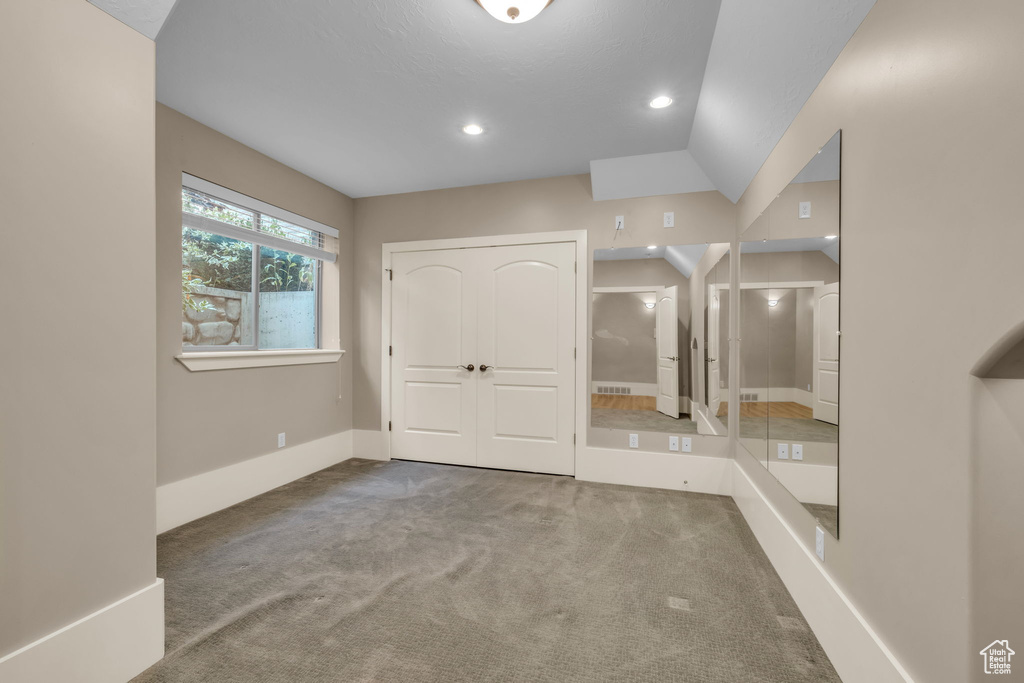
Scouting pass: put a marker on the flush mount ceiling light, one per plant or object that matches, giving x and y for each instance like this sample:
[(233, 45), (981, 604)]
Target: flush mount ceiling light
[(513, 11), (653, 246), (661, 102), (773, 303), (649, 304), (472, 129)]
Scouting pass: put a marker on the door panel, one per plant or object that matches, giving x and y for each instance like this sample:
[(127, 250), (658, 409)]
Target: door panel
[(433, 331), (826, 353), (667, 333), (527, 331), (713, 351)]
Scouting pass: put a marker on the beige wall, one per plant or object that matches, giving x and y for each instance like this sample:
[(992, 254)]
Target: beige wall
[(208, 420), (609, 358), (926, 94), (551, 204), (77, 394)]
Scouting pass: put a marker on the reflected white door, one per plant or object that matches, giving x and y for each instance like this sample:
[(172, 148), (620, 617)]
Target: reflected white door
[(433, 328), (666, 332), (714, 350), (826, 353), (527, 331), (510, 312)]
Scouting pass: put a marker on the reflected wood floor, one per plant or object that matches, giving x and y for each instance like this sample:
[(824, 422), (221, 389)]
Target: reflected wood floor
[(623, 402), (775, 408)]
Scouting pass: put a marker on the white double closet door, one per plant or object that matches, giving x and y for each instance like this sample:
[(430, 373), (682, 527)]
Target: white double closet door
[(508, 311)]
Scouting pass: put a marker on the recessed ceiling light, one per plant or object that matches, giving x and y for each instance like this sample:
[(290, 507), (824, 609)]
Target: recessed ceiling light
[(513, 11), (773, 303), (649, 304), (653, 246), (472, 129), (661, 102), (830, 237)]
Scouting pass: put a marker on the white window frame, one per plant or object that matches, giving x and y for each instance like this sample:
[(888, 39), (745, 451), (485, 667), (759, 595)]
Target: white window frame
[(250, 355)]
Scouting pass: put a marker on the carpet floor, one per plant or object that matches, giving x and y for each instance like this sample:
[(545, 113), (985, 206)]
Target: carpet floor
[(403, 571)]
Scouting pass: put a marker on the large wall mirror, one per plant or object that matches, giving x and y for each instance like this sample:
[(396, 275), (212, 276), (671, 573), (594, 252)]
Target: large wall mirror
[(789, 332), (660, 339)]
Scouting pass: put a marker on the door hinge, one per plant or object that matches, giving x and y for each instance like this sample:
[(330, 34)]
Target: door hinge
[(389, 425), (574, 352), (574, 267), (391, 274), (391, 350), (574, 438)]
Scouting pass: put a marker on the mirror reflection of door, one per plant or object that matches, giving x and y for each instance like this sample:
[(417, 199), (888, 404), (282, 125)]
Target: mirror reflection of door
[(826, 353), (667, 336), (712, 350)]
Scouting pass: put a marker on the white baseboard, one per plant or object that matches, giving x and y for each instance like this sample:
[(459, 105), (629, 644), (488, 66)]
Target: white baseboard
[(855, 650), (676, 471), (369, 444), (112, 645), (809, 483), (183, 501)]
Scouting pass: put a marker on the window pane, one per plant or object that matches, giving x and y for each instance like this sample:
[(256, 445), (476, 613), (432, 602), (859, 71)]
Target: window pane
[(289, 231), (211, 207), (287, 300), (216, 290)]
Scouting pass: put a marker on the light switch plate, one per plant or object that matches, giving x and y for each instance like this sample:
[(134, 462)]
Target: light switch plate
[(634, 441), (670, 219), (673, 443), (687, 444), (783, 451), (805, 209), (280, 440), (819, 543), (798, 451), (620, 222)]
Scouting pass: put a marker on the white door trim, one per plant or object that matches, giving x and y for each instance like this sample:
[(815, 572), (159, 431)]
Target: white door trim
[(579, 237)]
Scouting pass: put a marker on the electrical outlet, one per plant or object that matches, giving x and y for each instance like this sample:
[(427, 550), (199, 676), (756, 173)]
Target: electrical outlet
[(670, 219), (798, 451), (783, 451), (673, 443), (280, 440), (620, 222), (687, 444), (819, 543), (808, 387), (634, 441), (805, 209)]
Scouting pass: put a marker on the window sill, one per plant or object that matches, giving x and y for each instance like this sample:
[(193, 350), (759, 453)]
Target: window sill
[(231, 360)]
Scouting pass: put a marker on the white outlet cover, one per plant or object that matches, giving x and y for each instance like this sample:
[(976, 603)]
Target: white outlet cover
[(634, 441), (783, 451), (670, 219), (280, 440), (673, 443), (687, 444), (819, 543), (798, 451), (805, 209), (620, 222)]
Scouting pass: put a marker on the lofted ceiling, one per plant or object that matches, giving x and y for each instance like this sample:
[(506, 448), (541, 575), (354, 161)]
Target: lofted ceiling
[(369, 96)]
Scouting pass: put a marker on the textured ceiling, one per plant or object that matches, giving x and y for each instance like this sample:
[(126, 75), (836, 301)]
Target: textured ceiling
[(369, 96), (145, 16), (766, 60)]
